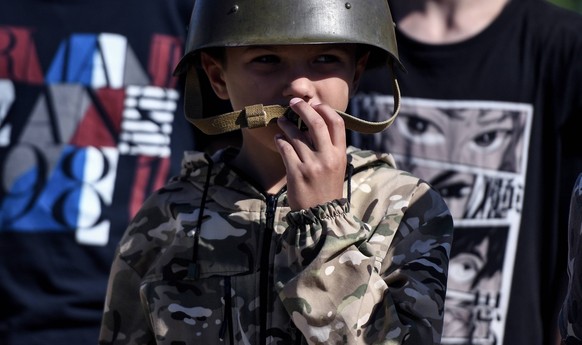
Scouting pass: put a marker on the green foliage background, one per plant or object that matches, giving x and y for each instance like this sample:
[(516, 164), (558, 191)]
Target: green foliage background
[(575, 5)]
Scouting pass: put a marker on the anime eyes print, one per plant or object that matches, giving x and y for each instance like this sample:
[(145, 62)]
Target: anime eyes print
[(468, 136), (428, 131)]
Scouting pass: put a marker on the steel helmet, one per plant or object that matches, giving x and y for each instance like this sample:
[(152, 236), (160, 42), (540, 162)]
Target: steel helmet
[(235, 23)]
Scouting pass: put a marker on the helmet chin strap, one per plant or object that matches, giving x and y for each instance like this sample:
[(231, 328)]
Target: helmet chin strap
[(259, 115)]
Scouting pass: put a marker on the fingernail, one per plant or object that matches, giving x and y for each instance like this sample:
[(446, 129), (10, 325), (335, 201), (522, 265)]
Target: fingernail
[(295, 100)]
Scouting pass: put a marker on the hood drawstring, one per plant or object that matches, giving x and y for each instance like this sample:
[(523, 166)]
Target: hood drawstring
[(193, 267), (349, 173), (193, 271)]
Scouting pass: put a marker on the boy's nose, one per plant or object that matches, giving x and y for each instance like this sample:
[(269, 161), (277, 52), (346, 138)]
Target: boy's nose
[(301, 87)]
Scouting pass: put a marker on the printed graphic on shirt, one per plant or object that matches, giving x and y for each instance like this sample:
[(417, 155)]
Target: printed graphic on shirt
[(475, 154), (96, 113)]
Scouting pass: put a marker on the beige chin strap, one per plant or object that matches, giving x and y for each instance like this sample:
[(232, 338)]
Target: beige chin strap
[(259, 115)]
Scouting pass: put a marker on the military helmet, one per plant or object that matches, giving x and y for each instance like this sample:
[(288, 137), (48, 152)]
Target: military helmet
[(236, 23)]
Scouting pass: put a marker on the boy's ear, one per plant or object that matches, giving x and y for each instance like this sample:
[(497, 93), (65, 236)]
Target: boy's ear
[(360, 68), (214, 71)]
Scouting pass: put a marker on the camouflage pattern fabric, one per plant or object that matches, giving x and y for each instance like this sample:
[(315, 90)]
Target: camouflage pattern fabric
[(571, 314), (240, 268)]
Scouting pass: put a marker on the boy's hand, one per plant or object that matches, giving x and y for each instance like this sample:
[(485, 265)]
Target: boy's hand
[(315, 159)]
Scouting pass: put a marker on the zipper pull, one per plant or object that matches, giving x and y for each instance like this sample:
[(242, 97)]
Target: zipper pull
[(222, 331), (193, 269)]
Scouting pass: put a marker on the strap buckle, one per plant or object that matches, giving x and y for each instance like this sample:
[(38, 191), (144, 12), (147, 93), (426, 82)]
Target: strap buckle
[(256, 116)]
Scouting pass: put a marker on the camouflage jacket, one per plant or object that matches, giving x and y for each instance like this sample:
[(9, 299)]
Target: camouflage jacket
[(570, 319), (209, 259)]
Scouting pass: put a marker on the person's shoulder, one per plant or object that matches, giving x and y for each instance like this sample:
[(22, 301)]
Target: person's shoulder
[(183, 192), (159, 224), (378, 186), (379, 171), (550, 10), (548, 18), (361, 158), (156, 222), (551, 35)]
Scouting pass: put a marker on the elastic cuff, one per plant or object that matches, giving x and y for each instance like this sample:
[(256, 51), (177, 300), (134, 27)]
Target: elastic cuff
[(318, 213)]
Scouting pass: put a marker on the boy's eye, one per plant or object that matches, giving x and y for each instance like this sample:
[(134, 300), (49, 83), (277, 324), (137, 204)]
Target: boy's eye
[(326, 58), (266, 59)]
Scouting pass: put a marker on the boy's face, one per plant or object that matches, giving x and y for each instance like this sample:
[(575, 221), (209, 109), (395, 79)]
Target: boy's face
[(326, 73)]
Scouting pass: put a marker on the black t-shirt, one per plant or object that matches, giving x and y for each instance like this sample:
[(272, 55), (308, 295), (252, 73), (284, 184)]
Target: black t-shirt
[(91, 123), (493, 123)]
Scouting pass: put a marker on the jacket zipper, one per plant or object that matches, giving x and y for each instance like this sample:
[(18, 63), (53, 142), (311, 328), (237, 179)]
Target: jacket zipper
[(265, 272), (227, 322)]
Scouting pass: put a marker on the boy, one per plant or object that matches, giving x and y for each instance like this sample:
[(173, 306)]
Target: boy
[(287, 239)]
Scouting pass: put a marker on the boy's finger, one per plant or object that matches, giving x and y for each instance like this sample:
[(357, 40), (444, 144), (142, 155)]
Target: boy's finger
[(335, 123), (318, 130), (297, 138)]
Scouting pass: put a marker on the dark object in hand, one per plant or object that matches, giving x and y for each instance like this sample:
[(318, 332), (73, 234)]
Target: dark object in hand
[(293, 117)]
